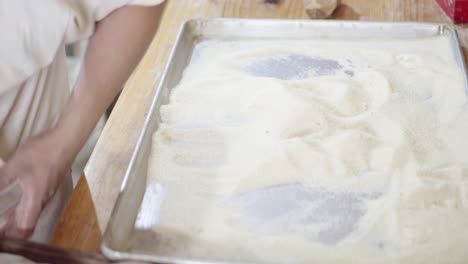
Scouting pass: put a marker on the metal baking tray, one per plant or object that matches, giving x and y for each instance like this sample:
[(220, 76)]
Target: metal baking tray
[(121, 228)]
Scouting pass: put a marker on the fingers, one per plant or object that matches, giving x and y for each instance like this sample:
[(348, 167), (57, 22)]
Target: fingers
[(26, 215), (22, 217), (31, 178), (13, 230), (28, 211), (19, 233), (10, 197), (18, 227)]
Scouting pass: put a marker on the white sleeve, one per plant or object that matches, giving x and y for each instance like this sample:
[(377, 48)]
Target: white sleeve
[(34, 30), (85, 13), (31, 33)]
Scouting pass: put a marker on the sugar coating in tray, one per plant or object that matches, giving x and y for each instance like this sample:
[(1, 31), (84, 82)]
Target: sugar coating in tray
[(302, 151)]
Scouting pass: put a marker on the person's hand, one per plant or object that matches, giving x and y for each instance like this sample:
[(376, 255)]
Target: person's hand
[(41, 162), (39, 165)]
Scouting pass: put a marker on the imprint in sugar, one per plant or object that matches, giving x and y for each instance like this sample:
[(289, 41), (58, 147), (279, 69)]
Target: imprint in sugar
[(314, 151), (294, 67)]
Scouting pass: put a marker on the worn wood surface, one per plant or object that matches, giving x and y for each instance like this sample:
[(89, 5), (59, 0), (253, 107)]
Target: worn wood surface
[(90, 207), (78, 228)]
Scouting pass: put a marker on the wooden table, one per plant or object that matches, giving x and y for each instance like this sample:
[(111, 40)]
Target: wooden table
[(91, 204)]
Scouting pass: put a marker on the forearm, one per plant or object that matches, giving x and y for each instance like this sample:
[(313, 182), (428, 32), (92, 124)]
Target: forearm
[(113, 52)]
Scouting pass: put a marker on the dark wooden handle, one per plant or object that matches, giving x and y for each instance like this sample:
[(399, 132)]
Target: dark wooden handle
[(47, 254)]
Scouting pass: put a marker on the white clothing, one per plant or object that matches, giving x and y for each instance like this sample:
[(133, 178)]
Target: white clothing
[(33, 75)]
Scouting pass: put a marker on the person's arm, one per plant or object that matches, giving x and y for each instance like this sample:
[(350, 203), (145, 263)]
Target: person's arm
[(114, 50)]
